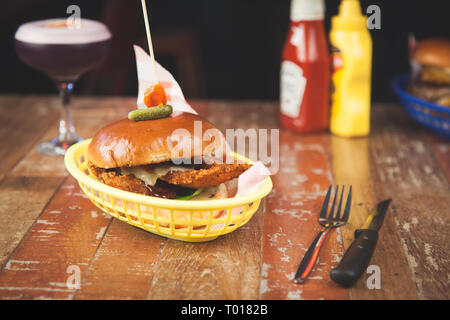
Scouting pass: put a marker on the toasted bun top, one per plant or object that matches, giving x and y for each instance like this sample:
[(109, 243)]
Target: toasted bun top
[(433, 52), (133, 143)]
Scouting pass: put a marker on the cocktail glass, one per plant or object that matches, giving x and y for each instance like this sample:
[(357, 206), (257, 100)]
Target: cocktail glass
[(64, 52)]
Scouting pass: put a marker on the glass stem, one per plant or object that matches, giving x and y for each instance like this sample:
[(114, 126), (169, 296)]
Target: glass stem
[(66, 128)]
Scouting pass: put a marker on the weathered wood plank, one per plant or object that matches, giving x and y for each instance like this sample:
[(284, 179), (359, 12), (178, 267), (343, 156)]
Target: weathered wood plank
[(441, 150), (34, 180), (22, 122), (29, 186), (123, 265), (66, 234), (291, 222), (352, 164), (21, 201), (225, 268), (410, 174)]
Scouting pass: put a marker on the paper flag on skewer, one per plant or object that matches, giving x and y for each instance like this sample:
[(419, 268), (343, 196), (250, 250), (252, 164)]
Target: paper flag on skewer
[(174, 94), (251, 179)]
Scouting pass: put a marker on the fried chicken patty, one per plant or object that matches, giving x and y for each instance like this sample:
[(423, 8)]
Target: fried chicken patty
[(128, 182), (174, 183), (214, 175)]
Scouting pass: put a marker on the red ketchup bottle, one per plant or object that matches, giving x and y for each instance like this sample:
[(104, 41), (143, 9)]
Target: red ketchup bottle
[(305, 70)]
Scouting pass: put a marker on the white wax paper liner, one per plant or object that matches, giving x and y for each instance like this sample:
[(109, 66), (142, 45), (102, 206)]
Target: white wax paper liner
[(248, 182), (173, 91), (251, 179)]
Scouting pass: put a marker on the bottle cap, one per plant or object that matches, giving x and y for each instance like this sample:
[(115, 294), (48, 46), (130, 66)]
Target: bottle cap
[(350, 16), (307, 10)]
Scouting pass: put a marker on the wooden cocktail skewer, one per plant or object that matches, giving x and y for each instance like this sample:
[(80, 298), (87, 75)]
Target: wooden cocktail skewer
[(149, 39)]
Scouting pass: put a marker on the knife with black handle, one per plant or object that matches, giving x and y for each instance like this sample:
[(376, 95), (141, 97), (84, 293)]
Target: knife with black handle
[(358, 255)]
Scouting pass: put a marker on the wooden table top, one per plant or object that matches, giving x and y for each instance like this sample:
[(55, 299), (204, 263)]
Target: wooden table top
[(48, 225)]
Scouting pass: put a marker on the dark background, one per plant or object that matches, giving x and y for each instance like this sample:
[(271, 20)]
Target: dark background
[(216, 49)]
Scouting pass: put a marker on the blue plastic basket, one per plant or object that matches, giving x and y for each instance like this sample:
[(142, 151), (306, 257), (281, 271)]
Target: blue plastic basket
[(431, 115)]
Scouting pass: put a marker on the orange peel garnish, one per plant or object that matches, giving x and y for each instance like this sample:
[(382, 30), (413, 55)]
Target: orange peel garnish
[(155, 96)]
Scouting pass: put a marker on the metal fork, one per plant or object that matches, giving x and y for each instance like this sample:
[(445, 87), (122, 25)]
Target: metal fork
[(328, 221)]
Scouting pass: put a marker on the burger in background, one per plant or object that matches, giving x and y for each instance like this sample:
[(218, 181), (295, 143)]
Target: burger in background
[(430, 79)]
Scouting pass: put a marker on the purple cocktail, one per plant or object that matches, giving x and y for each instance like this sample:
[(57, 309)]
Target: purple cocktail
[(64, 53)]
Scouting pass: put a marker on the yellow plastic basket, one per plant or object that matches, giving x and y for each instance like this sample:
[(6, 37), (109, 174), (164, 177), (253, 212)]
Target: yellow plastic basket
[(194, 220)]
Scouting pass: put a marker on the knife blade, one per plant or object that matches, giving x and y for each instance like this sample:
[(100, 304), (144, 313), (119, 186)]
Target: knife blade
[(358, 255)]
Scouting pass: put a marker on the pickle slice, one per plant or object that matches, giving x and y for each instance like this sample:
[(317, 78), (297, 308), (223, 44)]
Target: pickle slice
[(152, 113)]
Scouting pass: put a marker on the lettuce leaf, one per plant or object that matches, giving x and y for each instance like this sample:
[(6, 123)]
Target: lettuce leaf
[(189, 196)]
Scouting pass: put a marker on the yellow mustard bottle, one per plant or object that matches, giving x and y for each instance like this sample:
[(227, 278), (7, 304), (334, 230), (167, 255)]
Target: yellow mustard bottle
[(351, 51)]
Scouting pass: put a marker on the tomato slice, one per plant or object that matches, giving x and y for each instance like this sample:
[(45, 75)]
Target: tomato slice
[(155, 96)]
